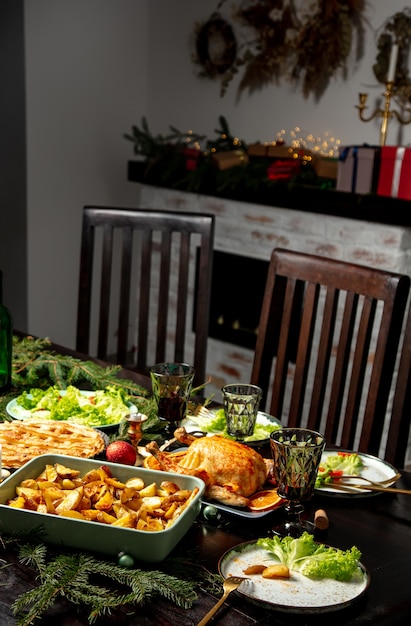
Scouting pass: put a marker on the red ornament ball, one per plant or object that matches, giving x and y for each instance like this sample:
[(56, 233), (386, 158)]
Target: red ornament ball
[(121, 452)]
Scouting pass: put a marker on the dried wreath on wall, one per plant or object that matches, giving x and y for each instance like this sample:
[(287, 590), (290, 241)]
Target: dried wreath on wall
[(297, 40), (216, 46), (397, 29)]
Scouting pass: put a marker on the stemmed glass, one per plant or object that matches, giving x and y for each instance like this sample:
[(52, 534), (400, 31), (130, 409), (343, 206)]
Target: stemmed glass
[(297, 455), (241, 402), (171, 385)]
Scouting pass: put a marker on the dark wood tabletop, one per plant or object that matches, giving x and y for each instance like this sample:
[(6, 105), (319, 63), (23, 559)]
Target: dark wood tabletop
[(379, 525)]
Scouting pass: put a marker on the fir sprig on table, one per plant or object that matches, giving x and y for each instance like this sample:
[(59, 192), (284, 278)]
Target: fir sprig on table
[(99, 585), (36, 364)]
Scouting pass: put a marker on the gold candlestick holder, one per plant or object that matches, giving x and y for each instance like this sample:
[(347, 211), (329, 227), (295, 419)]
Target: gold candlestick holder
[(135, 423), (386, 113)]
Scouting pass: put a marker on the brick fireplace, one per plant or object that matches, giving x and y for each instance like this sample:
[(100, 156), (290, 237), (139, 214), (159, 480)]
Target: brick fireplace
[(247, 233), (236, 279)]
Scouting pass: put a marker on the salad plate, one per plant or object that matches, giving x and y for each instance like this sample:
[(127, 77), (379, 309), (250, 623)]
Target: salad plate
[(97, 409), (371, 467), (297, 594), (215, 425)]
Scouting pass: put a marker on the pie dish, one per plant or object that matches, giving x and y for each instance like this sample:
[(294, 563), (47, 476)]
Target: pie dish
[(25, 440)]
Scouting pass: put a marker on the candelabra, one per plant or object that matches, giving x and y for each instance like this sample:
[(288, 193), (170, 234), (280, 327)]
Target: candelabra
[(386, 113)]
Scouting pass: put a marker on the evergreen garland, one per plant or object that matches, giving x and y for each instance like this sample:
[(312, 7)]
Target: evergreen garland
[(163, 162)]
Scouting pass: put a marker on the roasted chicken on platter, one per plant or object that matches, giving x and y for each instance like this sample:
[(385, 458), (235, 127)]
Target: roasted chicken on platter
[(231, 470)]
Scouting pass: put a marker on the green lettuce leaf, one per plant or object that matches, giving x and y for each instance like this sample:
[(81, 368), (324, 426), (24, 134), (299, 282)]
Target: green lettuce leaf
[(102, 408), (313, 559), (341, 462), (217, 424)]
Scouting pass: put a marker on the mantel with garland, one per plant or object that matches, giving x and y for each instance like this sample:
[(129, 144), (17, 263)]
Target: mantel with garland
[(273, 174), (369, 207)]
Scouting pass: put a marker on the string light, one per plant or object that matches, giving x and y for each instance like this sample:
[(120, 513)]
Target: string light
[(324, 146)]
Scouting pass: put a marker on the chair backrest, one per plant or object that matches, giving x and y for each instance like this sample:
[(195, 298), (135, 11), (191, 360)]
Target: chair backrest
[(399, 428), (327, 343), (140, 270)]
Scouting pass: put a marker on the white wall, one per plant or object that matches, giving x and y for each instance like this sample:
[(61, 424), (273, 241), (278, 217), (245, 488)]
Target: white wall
[(94, 68), (195, 103), (86, 83)]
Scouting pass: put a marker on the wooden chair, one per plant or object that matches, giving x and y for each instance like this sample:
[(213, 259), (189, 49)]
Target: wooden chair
[(139, 272), (399, 427), (330, 332)]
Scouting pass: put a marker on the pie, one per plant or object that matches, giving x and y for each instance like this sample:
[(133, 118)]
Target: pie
[(22, 441)]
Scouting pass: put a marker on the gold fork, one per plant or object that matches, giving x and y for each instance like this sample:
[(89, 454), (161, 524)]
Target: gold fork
[(202, 411), (355, 488), (229, 585), (349, 479)]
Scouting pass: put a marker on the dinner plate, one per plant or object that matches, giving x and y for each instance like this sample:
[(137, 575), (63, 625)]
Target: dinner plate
[(241, 512), (196, 423), (297, 594), (374, 469), (17, 412)]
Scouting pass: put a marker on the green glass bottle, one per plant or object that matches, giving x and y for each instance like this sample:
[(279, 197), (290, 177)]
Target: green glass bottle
[(6, 343)]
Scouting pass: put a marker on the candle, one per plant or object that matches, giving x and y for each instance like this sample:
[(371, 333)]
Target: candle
[(393, 64)]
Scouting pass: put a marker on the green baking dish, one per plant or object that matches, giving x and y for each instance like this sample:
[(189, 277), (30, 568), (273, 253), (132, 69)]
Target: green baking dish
[(94, 536)]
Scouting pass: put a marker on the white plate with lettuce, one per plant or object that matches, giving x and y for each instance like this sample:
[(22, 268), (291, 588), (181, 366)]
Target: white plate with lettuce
[(215, 424), (322, 578), (349, 463), (102, 409)]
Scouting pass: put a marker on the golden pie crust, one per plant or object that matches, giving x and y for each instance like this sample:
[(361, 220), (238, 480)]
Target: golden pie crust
[(22, 441)]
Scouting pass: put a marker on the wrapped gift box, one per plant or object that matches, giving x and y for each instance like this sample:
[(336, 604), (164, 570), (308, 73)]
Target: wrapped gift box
[(358, 169), (257, 149), (283, 169), (280, 151), (231, 158), (326, 167), (395, 172), (192, 156), (272, 150)]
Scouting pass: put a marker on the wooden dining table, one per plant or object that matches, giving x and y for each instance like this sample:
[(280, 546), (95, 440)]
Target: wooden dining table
[(378, 524)]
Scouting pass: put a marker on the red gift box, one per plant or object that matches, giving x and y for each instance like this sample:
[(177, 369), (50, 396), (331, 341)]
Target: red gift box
[(395, 172), (283, 170), (192, 156)]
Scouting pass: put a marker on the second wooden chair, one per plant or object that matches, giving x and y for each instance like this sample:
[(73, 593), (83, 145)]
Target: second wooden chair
[(327, 346), (139, 272)]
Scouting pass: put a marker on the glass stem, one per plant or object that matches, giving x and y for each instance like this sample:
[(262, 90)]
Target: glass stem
[(294, 511)]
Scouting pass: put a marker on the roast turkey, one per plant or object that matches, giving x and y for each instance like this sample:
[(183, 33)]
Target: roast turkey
[(231, 470)]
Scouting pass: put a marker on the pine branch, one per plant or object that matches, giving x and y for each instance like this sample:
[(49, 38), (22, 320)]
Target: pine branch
[(85, 580)]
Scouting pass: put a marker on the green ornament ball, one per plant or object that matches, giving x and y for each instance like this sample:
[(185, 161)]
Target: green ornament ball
[(125, 560), (210, 513)]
